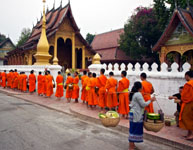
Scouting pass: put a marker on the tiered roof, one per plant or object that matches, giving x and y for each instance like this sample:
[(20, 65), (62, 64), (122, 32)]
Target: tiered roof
[(107, 45), (54, 18), (179, 15)]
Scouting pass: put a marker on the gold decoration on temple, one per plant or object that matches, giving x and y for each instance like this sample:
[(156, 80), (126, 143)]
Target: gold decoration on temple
[(96, 59), (42, 56)]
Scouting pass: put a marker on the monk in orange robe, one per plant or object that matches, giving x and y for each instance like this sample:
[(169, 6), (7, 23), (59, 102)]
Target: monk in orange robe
[(101, 82), (69, 87), (40, 84), (186, 113), (92, 95), (111, 86), (32, 82), (75, 92), (60, 86), (83, 78), (147, 90), (15, 81), (44, 83), (12, 79), (49, 85), (8, 79), (3, 78), (123, 95), (24, 82)]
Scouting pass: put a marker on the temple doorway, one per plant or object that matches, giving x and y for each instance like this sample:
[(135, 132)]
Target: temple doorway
[(79, 58), (51, 52), (64, 52)]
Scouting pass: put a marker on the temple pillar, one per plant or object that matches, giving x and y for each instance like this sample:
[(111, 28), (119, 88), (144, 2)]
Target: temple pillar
[(83, 58), (30, 58), (163, 55), (55, 59), (73, 51)]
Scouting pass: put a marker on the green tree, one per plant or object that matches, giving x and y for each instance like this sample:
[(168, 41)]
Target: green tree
[(89, 38), (25, 34), (140, 34), (2, 37)]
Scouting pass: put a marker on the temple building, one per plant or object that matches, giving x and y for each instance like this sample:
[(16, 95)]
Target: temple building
[(5, 47), (176, 42), (107, 45), (67, 47)]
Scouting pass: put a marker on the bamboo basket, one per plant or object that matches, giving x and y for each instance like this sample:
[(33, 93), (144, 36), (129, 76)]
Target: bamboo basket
[(151, 126), (110, 122)]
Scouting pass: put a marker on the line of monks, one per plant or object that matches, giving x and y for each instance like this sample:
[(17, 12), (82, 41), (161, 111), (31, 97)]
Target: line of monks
[(96, 91)]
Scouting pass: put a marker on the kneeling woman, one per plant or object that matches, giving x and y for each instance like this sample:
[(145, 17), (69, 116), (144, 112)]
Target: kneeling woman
[(136, 115)]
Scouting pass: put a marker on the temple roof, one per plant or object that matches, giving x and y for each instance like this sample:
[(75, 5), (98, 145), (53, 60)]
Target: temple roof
[(5, 41), (179, 15), (54, 18), (107, 45)]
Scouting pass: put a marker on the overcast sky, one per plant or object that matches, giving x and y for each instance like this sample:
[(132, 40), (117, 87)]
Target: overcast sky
[(93, 16)]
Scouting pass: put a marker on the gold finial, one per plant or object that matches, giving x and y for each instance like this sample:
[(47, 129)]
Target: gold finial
[(67, 71), (42, 56), (96, 59)]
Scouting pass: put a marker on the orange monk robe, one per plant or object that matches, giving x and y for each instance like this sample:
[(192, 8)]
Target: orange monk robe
[(20, 82), (83, 94), (40, 84), (3, 78), (92, 96), (0, 79), (101, 82), (123, 96), (69, 80), (32, 82), (12, 79), (49, 85), (8, 80), (15, 82), (147, 89), (186, 113), (111, 92), (44, 84), (59, 88), (75, 92), (24, 82)]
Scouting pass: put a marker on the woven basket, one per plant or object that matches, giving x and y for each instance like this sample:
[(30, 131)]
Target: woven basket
[(155, 127), (110, 122)]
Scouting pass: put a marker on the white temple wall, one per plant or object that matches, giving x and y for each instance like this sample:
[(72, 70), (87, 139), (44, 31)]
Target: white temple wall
[(165, 83)]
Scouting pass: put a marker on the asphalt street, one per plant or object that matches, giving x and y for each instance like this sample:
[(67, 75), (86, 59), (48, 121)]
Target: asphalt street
[(27, 126)]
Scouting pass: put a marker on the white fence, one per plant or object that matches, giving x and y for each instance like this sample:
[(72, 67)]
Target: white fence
[(165, 82)]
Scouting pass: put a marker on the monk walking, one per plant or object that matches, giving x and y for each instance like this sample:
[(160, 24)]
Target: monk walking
[(147, 90), (123, 95), (75, 92), (44, 83), (24, 82), (92, 95), (83, 78), (186, 113), (49, 85), (40, 84), (32, 82), (111, 86), (59, 86), (15, 81), (69, 87), (3, 78), (101, 82)]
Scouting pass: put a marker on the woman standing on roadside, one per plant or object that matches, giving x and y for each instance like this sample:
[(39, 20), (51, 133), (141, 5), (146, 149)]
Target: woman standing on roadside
[(136, 115)]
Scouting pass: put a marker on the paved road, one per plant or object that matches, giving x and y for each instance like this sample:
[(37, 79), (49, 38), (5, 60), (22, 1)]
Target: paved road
[(26, 126)]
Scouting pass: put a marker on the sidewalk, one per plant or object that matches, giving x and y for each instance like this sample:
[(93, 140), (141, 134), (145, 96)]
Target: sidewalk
[(171, 136)]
